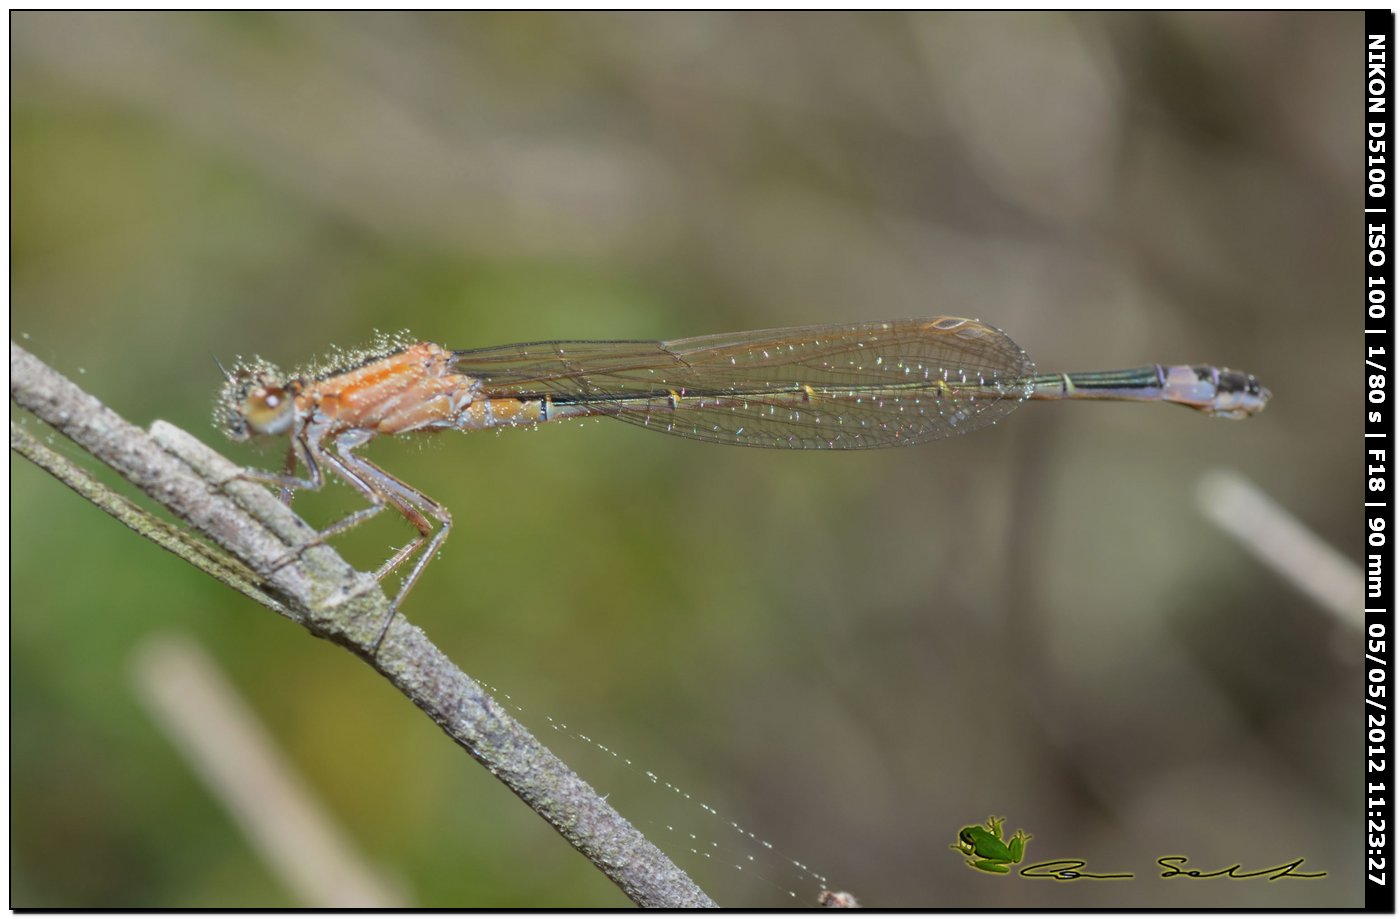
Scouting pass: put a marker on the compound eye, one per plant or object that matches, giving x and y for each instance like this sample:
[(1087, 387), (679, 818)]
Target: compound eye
[(268, 409)]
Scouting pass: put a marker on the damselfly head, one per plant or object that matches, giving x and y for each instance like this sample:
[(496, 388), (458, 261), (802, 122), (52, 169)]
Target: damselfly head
[(255, 401)]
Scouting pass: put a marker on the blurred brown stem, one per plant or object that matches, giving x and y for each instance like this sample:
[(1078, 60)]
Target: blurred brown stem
[(333, 601)]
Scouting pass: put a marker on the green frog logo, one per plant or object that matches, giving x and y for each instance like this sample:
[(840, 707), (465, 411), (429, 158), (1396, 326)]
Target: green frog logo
[(985, 849)]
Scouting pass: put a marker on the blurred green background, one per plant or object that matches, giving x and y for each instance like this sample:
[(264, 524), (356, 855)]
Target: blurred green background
[(851, 655)]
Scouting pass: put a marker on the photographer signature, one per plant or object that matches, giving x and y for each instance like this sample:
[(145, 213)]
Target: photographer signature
[(986, 848), (1070, 869)]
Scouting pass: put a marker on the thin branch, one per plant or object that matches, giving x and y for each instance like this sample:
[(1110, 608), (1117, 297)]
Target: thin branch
[(332, 600), (214, 562)]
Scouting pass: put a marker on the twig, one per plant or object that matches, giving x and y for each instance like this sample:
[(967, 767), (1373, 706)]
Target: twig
[(213, 562), (320, 591)]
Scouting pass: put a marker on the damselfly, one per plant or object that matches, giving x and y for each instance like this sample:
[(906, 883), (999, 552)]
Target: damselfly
[(837, 387)]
